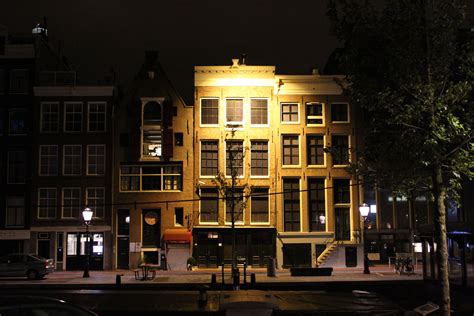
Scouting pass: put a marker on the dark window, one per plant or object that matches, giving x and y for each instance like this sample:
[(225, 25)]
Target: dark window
[(315, 149), (289, 112), (209, 111), (259, 158), (291, 204), (341, 191), (49, 117), (238, 206), (209, 157), (17, 125), (234, 110), (175, 110), (3, 80), (151, 228), (97, 117), (123, 225), (19, 81), (73, 117), (259, 205), (123, 139), (179, 216), (259, 111), (386, 209), (340, 150), (152, 114), (339, 112), (178, 139), (234, 158), (290, 150), (402, 212), (2, 121), (209, 205), (314, 114), (316, 205), (16, 167)]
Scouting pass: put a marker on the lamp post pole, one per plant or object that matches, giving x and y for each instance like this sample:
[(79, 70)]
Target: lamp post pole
[(364, 212), (87, 216)]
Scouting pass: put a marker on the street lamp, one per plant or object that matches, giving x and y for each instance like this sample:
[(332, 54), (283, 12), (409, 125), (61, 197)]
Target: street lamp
[(87, 216), (364, 213)]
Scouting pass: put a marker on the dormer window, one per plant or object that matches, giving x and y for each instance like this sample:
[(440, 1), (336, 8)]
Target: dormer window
[(152, 125)]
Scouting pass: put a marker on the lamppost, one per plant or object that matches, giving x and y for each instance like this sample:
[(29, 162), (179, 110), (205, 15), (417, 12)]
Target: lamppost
[(87, 216), (364, 212)]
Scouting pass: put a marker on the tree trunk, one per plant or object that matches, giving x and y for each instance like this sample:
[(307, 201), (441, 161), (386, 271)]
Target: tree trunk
[(439, 190)]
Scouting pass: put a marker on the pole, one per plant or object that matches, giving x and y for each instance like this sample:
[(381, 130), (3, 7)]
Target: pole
[(366, 258), (86, 266)]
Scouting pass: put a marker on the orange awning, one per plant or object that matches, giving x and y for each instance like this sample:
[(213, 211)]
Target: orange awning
[(177, 236)]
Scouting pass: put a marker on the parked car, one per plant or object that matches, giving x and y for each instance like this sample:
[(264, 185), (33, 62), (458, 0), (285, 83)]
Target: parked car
[(36, 305), (31, 266)]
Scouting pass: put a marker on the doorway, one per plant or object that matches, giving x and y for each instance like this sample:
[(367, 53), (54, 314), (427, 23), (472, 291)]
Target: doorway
[(343, 226), (76, 251), (123, 250)]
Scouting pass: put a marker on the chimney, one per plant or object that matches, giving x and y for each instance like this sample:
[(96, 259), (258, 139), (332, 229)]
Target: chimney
[(235, 63), (243, 59)]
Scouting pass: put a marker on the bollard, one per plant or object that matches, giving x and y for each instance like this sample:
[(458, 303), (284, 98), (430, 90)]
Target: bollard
[(271, 267), (245, 273), (214, 280), (118, 279), (202, 299), (223, 282), (253, 280), (236, 279)]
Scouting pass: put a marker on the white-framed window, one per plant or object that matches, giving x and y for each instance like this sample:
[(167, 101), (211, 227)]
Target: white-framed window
[(19, 81), (290, 113), (16, 167), (291, 204), (49, 117), (95, 200), (151, 178), (15, 216), (317, 204), (210, 111), (73, 117), (315, 150), (71, 202), (340, 150), (259, 112), (48, 162), (314, 114), (260, 206), (259, 158), (290, 150), (340, 112), (234, 112), (47, 203), (209, 158), (238, 207), (72, 156), (97, 119), (95, 160), (234, 158), (17, 122)]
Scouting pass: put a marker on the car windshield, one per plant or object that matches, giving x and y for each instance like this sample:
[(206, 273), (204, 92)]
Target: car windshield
[(37, 257)]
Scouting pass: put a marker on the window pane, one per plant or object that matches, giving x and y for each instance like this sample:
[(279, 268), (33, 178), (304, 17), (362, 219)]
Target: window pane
[(49, 117), (315, 149), (234, 158), (291, 204), (209, 111), (16, 167), (97, 117), (238, 206), (289, 112), (339, 112), (73, 117), (340, 149), (47, 202), (234, 110), (209, 158), (15, 211), (72, 160), (341, 191), (259, 111), (209, 205), (17, 122), (259, 206), (316, 205), (48, 160), (314, 114), (291, 150), (259, 158)]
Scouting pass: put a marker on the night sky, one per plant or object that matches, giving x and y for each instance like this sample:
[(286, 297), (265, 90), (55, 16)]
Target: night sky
[(96, 35)]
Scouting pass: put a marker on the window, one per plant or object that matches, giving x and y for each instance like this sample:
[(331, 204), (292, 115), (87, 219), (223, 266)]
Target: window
[(259, 111), (291, 150), (178, 139), (340, 112), (238, 206), (315, 149), (291, 204), (259, 158), (386, 209), (209, 205), (259, 206), (16, 167), (97, 116), (72, 160), (234, 158), (151, 178), (340, 149), (151, 232), (314, 114), (19, 81), (290, 113), (71, 202), (95, 199), (48, 164), (47, 202), (49, 117), (3, 81), (17, 124), (209, 111), (73, 116), (235, 112), (209, 157), (95, 160), (316, 205), (152, 130), (178, 216), (15, 211), (341, 190)]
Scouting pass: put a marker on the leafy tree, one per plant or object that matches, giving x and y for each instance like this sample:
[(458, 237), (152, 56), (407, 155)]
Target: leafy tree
[(409, 67)]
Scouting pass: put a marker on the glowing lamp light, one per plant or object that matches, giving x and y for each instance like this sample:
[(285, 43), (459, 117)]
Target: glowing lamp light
[(87, 214), (127, 219), (364, 210), (322, 219), (373, 208)]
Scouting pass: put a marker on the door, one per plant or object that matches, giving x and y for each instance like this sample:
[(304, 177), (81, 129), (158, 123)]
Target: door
[(44, 248), (177, 256), (343, 226), (79, 246), (123, 250)]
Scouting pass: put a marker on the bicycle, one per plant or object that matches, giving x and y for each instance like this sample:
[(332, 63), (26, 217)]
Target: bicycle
[(404, 266)]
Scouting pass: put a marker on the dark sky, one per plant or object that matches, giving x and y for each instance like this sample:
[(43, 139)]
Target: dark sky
[(98, 34)]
